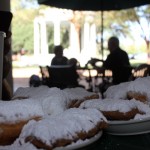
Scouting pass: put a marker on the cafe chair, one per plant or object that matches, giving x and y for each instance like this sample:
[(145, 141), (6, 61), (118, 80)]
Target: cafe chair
[(142, 70), (94, 62), (62, 76)]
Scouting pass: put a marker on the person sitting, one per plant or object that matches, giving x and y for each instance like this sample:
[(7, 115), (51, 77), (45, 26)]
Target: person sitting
[(75, 78), (35, 81), (74, 63), (59, 59), (118, 62)]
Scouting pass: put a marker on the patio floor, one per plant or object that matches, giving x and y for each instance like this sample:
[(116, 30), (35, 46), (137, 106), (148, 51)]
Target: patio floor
[(21, 76)]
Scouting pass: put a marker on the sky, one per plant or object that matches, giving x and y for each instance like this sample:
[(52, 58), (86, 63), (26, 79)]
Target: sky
[(27, 4)]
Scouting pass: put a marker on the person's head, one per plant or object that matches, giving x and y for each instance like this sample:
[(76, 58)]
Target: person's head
[(34, 81), (73, 61), (58, 51), (113, 43)]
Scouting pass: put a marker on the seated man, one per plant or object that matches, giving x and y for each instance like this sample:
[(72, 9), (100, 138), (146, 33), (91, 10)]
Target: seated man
[(59, 59), (117, 61)]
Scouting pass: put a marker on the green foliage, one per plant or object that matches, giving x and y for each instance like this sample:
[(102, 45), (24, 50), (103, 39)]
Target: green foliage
[(22, 27), (22, 34), (115, 23), (64, 36), (50, 37)]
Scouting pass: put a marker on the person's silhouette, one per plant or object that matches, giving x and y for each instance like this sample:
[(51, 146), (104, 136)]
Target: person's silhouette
[(118, 62), (59, 59)]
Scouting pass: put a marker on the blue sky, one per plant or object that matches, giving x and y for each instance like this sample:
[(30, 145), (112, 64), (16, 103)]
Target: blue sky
[(28, 4)]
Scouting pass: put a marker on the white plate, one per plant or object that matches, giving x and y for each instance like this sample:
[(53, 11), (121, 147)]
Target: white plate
[(131, 127), (80, 143)]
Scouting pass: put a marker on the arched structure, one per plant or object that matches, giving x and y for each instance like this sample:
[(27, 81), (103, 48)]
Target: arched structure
[(56, 17)]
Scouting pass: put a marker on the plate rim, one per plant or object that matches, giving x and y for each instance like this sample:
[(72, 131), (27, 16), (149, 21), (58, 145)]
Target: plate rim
[(132, 121), (126, 134), (141, 126), (87, 142)]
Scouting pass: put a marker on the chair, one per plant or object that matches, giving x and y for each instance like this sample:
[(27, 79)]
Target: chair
[(62, 76), (142, 70)]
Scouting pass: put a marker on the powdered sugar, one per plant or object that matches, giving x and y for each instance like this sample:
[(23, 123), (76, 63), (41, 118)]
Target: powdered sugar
[(57, 120), (65, 125), (117, 91), (12, 111), (77, 93), (139, 85), (17, 146), (116, 105), (53, 100)]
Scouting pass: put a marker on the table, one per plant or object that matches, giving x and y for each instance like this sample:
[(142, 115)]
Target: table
[(90, 78), (114, 142), (94, 77)]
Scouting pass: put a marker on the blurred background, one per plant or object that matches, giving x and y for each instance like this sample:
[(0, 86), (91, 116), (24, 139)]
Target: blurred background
[(37, 28)]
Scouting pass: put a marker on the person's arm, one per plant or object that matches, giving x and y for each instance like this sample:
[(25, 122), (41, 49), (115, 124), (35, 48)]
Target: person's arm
[(107, 64)]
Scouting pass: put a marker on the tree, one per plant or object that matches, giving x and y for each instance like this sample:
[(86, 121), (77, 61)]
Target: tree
[(77, 19), (140, 18), (22, 26)]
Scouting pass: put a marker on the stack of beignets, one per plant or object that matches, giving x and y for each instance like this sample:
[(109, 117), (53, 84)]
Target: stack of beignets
[(51, 117), (34, 103), (117, 109), (138, 89), (68, 127), (14, 115)]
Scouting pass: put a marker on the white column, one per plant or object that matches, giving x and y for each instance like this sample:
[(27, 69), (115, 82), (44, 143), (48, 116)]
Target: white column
[(74, 43), (56, 32), (36, 37), (86, 51), (93, 40), (72, 37), (44, 45), (86, 35)]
